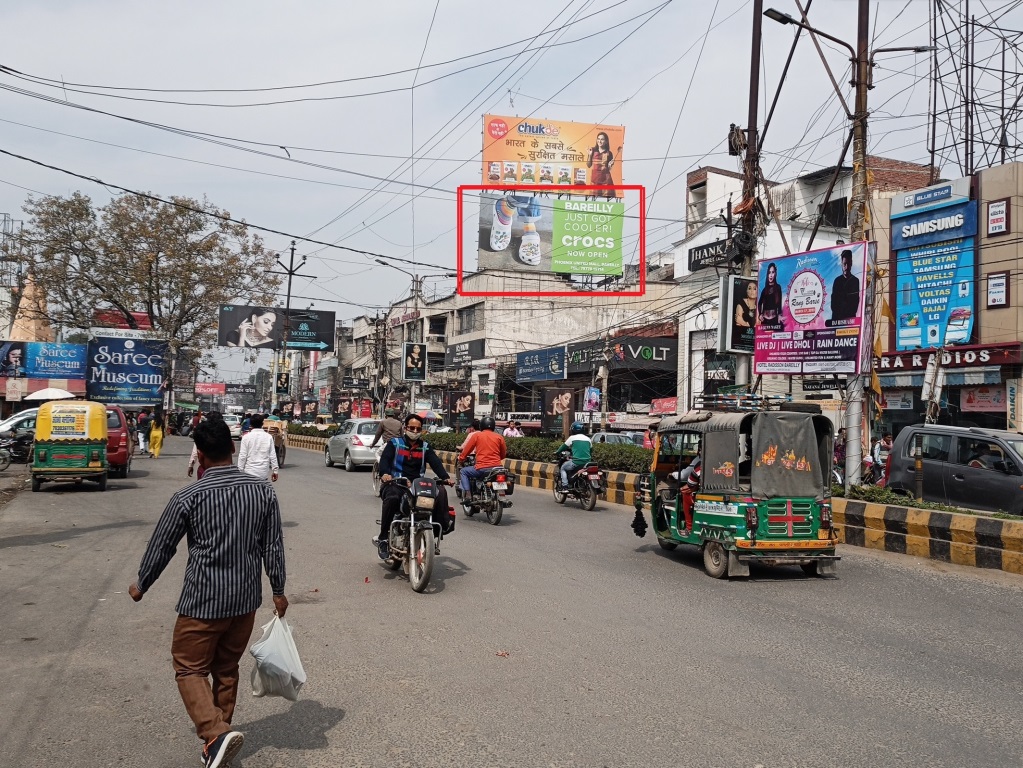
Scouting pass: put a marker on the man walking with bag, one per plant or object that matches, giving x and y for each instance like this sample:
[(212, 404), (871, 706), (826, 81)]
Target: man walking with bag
[(233, 526)]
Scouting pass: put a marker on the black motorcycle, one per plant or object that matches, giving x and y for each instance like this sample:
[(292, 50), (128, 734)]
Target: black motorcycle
[(414, 536), (488, 493), (585, 483), (16, 446)]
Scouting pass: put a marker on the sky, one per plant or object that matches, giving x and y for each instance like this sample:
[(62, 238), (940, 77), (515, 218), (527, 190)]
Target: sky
[(674, 73)]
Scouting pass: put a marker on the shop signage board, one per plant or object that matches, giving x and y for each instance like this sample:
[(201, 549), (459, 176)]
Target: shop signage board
[(663, 406), (824, 385), (810, 311), (999, 217), (210, 388), (983, 399), (639, 352), (126, 371), (42, 360), (714, 254), (935, 282), (897, 400), (1013, 405), (464, 352), (540, 365), (413, 362), (955, 357)]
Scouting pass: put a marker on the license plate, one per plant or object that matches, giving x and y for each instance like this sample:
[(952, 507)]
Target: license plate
[(500, 486)]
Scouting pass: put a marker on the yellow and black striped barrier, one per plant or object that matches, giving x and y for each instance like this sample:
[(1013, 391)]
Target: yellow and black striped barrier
[(963, 539)]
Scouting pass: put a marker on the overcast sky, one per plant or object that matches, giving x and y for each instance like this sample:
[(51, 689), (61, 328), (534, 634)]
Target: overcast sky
[(646, 64)]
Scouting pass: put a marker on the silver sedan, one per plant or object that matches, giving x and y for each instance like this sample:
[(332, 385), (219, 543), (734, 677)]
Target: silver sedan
[(350, 444)]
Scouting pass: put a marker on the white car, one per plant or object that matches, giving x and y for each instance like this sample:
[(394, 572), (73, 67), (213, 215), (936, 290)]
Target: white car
[(234, 423)]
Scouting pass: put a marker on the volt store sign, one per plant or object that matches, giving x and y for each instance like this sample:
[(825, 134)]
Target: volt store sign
[(935, 299)]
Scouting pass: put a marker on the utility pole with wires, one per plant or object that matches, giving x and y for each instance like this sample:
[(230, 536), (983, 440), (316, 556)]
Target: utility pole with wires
[(291, 270), (744, 241)]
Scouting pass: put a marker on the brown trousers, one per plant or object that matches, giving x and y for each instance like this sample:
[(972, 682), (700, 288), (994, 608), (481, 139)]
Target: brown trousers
[(202, 648)]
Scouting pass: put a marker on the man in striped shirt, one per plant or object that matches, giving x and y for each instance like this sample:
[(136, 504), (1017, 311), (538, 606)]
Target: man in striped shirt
[(233, 524)]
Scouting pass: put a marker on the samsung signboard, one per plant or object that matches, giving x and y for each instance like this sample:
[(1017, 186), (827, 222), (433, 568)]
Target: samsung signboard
[(935, 275)]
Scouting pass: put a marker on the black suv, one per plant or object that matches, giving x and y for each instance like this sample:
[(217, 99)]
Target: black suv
[(966, 467)]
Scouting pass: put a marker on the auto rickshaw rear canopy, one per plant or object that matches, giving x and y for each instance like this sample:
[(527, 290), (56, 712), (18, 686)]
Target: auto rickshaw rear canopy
[(768, 454)]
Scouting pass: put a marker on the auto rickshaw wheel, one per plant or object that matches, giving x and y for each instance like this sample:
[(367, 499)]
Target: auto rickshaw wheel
[(810, 569), (715, 559), (103, 482), (667, 545), (37, 484)]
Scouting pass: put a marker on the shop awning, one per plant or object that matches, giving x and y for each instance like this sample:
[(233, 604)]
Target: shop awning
[(954, 377)]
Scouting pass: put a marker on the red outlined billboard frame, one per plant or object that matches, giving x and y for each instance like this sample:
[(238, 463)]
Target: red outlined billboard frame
[(572, 189)]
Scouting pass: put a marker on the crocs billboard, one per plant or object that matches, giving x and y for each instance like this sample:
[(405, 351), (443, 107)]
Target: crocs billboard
[(552, 199)]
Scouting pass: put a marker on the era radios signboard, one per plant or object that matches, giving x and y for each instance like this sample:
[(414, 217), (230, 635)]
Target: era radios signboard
[(810, 311), (553, 201)]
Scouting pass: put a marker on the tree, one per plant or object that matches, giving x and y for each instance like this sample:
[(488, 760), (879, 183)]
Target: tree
[(174, 263)]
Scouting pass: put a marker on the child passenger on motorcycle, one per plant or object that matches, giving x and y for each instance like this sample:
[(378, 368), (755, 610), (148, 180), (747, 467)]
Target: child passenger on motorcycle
[(408, 456)]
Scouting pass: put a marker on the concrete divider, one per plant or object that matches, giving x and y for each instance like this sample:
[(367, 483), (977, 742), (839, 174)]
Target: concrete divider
[(963, 539)]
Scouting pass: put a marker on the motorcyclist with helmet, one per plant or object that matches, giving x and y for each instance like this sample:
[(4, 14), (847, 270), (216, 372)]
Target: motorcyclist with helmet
[(580, 445), (408, 456), (490, 451)]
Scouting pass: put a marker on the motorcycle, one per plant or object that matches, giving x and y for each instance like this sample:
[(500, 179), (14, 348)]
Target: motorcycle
[(585, 483), (414, 536), (16, 447), (488, 493)]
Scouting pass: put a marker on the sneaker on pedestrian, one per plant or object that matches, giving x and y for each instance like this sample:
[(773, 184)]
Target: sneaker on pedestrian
[(222, 749)]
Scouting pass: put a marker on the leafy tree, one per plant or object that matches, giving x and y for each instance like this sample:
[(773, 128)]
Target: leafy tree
[(174, 263)]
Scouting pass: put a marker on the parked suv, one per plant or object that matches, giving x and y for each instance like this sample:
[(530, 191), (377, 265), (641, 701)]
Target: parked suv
[(966, 467), (120, 445)]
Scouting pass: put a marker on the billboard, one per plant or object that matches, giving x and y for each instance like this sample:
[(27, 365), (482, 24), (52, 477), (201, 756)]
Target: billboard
[(810, 311), (540, 365), (521, 227), (558, 409), (738, 314), (126, 371), (591, 402), (461, 410), (210, 388), (253, 327), (42, 360), (935, 290), (413, 367), (531, 151)]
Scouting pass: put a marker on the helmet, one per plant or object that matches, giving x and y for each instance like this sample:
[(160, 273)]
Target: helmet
[(487, 422), (578, 428)]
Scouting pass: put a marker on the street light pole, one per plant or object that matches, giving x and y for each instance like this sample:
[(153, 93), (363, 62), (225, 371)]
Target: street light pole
[(862, 64)]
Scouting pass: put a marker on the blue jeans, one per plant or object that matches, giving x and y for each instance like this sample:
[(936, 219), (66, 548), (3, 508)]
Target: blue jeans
[(469, 472), (568, 466)]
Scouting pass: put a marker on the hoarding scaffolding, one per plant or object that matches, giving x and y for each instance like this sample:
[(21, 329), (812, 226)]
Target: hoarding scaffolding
[(976, 94)]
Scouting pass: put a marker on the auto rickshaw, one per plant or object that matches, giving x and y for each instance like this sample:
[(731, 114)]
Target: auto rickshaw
[(71, 443), (764, 493)]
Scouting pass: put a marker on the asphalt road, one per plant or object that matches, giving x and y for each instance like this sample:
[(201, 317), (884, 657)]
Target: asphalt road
[(556, 639)]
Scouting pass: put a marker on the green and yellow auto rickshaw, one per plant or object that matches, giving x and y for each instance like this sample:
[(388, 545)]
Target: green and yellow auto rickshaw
[(70, 443), (763, 496)]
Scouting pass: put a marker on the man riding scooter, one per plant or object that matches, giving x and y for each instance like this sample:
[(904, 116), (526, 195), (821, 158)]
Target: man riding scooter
[(580, 445), (407, 456), (490, 451)]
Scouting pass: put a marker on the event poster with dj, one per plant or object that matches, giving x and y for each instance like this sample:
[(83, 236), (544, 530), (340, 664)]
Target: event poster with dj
[(810, 311)]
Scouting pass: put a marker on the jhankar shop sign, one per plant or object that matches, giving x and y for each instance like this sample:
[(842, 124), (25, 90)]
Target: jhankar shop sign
[(710, 255), (953, 357)]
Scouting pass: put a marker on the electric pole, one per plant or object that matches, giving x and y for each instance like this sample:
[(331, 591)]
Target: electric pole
[(751, 165), (291, 270), (858, 232)]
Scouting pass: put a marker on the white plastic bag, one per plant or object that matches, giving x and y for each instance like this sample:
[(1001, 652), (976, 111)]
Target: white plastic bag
[(278, 670)]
